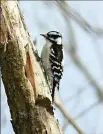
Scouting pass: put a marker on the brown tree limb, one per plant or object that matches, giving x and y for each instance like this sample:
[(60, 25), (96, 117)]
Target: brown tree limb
[(27, 93), (68, 116), (81, 114)]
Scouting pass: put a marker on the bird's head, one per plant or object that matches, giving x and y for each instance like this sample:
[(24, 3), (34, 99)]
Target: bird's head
[(53, 37)]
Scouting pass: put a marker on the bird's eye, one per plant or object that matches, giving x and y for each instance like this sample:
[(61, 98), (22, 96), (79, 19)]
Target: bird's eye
[(50, 35)]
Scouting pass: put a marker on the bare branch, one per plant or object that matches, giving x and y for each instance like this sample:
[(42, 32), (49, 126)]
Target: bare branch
[(74, 55), (68, 116), (81, 114), (71, 13), (80, 65)]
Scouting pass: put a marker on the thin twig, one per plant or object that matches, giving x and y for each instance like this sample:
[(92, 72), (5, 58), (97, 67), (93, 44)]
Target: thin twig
[(81, 114), (68, 116), (71, 13)]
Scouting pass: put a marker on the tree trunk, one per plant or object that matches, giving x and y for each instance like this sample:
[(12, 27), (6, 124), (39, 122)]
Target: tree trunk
[(27, 93)]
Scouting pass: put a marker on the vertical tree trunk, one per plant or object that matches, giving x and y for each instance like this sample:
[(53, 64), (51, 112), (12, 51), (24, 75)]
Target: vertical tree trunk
[(27, 93)]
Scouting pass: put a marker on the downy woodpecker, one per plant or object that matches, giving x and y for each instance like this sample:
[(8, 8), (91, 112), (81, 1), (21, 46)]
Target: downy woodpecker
[(52, 60)]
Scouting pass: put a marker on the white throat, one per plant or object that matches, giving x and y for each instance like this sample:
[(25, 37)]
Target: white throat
[(59, 40)]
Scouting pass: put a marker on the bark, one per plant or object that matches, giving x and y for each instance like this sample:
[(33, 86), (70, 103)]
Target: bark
[(27, 93)]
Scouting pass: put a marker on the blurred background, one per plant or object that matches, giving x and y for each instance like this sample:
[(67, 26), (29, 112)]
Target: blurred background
[(81, 89)]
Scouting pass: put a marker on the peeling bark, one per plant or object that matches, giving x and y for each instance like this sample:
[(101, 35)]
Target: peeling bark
[(27, 93)]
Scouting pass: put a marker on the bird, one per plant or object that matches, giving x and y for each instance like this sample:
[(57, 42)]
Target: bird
[(52, 57)]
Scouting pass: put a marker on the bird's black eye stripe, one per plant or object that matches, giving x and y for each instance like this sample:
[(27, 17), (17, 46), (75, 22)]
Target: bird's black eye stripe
[(53, 36)]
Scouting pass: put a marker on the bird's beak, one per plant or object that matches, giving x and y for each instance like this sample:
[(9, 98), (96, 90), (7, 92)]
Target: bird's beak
[(44, 35)]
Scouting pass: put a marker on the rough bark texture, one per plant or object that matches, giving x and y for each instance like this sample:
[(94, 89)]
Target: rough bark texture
[(27, 93)]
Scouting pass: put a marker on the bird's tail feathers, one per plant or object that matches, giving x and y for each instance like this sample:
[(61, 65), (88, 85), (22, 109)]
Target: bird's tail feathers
[(55, 87)]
